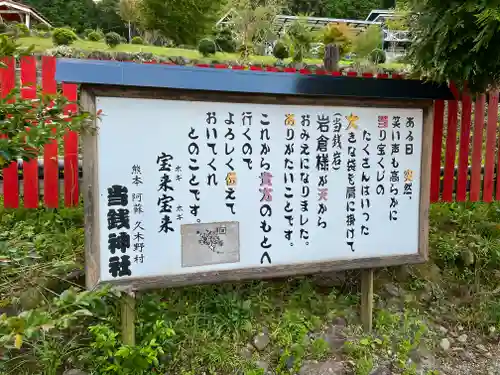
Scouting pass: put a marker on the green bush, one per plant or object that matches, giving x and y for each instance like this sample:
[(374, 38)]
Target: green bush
[(63, 37), (245, 50), (224, 41), (377, 56), (137, 40), (280, 50), (207, 47), (3, 28), (94, 36), (22, 29), (367, 41), (123, 40), (87, 32), (112, 39), (41, 27)]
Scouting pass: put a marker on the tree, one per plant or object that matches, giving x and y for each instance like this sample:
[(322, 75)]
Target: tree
[(301, 38), (351, 9), (77, 14), (253, 20), (109, 19), (457, 41), (128, 11), (367, 41), (25, 141), (183, 21)]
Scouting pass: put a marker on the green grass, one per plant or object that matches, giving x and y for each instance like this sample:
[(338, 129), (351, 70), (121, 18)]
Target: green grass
[(43, 44)]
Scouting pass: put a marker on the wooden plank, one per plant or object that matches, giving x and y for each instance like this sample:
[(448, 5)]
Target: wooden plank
[(437, 144), (10, 173), (451, 148), (367, 299), (128, 318), (30, 169), (477, 149), (71, 193), (491, 138), (463, 161), (51, 172), (90, 190)]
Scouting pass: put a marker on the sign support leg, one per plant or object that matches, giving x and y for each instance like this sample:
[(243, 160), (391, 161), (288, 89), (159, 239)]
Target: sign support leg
[(367, 299), (128, 318)]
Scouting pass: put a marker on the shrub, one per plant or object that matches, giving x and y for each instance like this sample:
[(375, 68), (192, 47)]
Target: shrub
[(301, 39), (224, 41), (207, 47), (339, 35), (368, 40), (94, 36), (245, 50), (112, 39), (63, 37), (22, 29), (123, 40), (280, 50), (137, 40), (377, 56), (41, 27), (3, 28), (87, 32)]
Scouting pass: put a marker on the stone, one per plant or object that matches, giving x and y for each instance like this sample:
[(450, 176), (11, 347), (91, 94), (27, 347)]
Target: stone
[(330, 367), (382, 370), (261, 341), (392, 289), (247, 352), (443, 330), (481, 348), (445, 344), (74, 372), (334, 337), (462, 338), (339, 322), (467, 356), (263, 365), (329, 279)]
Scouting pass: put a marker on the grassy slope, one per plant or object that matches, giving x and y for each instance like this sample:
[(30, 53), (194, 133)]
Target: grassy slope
[(42, 44)]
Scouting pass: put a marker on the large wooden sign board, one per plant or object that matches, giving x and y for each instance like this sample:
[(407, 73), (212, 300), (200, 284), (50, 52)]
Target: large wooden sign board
[(202, 191), (185, 185)]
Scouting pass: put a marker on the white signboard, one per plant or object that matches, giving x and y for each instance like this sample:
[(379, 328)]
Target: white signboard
[(194, 187)]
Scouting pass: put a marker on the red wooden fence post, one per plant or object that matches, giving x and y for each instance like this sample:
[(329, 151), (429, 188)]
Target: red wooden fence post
[(10, 174), (463, 160), (30, 168), (437, 144), (71, 152), (451, 147), (50, 160), (477, 149), (491, 138)]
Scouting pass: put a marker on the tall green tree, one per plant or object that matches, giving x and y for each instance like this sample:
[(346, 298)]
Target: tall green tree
[(109, 17), (457, 41), (182, 21), (350, 9), (129, 12), (78, 14)]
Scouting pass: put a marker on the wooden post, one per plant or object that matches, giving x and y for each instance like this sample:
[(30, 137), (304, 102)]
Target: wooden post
[(128, 318), (331, 57), (367, 299)]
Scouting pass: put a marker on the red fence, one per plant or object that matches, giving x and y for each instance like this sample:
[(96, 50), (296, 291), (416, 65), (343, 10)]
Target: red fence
[(466, 172)]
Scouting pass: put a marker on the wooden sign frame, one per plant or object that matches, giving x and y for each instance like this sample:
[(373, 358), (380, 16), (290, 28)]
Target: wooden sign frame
[(91, 189)]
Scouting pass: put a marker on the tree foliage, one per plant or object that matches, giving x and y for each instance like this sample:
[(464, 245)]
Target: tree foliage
[(459, 41), (368, 40), (77, 14), (17, 117), (183, 21), (351, 9)]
